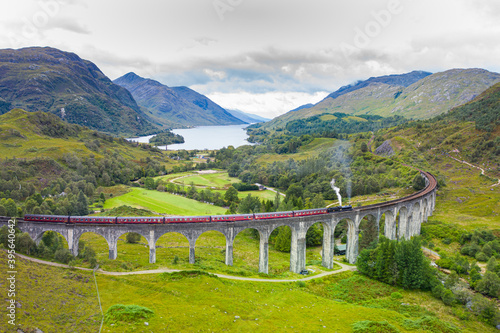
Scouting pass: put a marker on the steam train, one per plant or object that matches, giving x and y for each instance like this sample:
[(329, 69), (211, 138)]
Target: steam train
[(181, 219)]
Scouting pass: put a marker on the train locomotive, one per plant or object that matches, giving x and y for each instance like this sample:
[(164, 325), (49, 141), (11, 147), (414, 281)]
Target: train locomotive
[(180, 219)]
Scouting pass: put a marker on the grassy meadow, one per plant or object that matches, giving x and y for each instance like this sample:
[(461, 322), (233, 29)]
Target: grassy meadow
[(161, 202), (210, 255), (63, 300)]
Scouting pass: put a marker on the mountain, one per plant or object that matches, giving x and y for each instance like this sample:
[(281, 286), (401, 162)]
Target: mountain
[(248, 117), (470, 132), (177, 106), (418, 95), (484, 111), (305, 106), (403, 80), (47, 79)]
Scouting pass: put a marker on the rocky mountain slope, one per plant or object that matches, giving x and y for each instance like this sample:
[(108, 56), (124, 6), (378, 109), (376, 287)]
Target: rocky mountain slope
[(418, 95), (50, 80), (177, 106)]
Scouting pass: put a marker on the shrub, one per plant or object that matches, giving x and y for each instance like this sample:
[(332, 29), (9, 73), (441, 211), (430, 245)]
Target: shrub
[(447, 297), (444, 263), (368, 326), (429, 324), (63, 255), (489, 284), (176, 260), (301, 284), (396, 295), (481, 257), (127, 313), (133, 237)]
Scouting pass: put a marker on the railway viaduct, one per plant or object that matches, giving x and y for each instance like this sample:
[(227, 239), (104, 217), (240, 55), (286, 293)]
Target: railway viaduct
[(413, 210)]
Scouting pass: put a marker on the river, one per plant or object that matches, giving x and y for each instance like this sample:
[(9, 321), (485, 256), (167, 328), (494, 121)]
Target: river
[(206, 137)]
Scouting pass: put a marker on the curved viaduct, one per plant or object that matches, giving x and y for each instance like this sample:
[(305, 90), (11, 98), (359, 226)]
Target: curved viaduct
[(413, 210)]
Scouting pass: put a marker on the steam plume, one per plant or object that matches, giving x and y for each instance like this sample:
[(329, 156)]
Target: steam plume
[(337, 191)]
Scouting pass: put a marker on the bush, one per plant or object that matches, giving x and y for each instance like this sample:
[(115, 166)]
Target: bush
[(368, 326), (301, 284), (481, 257), (489, 284), (444, 263), (63, 255), (447, 297), (396, 295), (126, 313), (429, 324), (133, 237)]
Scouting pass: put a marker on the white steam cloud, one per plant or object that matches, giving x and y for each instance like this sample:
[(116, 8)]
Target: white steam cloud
[(337, 191)]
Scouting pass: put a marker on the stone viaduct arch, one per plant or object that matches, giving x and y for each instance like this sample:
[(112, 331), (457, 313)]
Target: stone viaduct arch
[(413, 210)]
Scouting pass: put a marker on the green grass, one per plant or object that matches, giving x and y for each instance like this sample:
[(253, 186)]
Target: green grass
[(214, 180), (210, 255), (61, 300), (51, 299), (313, 148), (164, 203)]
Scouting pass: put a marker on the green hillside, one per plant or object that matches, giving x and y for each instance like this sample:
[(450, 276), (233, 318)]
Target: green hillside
[(50, 80), (428, 97)]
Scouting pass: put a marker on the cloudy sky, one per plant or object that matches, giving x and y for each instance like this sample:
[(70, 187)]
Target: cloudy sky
[(261, 56)]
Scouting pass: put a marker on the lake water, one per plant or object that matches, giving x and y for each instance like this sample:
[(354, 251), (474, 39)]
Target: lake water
[(206, 137)]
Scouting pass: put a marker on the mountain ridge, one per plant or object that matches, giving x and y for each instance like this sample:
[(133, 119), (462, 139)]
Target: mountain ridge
[(175, 106), (426, 97), (248, 117), (76, 90)]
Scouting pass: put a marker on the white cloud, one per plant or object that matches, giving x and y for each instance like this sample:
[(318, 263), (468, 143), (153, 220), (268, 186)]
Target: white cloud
[(270, 105)]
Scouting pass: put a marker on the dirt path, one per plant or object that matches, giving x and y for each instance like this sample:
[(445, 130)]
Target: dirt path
[(273, 190), (474, 166), (166, 270)]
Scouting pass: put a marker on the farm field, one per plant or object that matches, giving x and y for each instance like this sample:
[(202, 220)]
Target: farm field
[(164, 203)]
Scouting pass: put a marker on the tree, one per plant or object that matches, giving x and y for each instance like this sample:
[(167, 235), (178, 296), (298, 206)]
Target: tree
[(364, 147), (133, 237), (231, 195), (233, 170), (277, 200), (249, 204), (314, 235), (318, 201), (29, 205), (294, 190), (284, 239), (25, 243), (418, 182), (489, 284), (149, 183), (82, 204), (410, 261), (11, 208)]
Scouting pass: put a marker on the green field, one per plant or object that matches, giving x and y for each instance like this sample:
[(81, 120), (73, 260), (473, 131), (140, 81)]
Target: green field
[(63, 300), (217, 180), (164, 203), (210, 255)]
